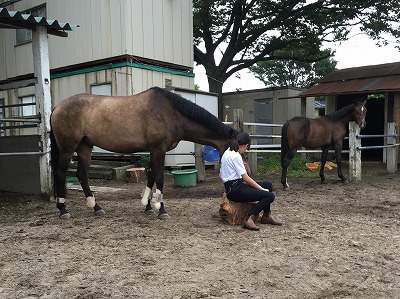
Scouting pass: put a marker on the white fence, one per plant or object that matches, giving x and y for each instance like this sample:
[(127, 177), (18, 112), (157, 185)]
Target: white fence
[(355, 148)]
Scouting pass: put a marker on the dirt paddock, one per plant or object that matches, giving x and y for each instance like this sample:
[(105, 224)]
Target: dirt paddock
[(337, 241)]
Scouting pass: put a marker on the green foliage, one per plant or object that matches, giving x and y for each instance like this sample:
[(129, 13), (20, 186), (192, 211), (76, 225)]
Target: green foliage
[(144, 161), (241, 33), (271, 164), (299, 74)]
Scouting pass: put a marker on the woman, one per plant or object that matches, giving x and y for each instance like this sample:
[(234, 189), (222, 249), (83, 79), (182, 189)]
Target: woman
[(240, 187)]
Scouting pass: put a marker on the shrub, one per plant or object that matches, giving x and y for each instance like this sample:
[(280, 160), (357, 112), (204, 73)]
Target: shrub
[(144, 161)]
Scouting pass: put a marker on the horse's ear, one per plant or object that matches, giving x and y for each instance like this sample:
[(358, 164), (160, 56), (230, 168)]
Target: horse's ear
[(365, 102), (232, 133)]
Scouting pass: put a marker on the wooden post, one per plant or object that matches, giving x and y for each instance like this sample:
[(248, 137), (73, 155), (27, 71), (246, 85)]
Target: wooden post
[(43, 104), (238, 119), (391, 152), (252, 160), (303, 107), (199, 163), (354, 152)]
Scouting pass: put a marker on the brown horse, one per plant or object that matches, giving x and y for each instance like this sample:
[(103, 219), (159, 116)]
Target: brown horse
[(326, 133), (154, 120)]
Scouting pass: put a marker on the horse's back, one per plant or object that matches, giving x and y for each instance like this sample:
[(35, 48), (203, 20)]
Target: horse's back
[(313, 133)]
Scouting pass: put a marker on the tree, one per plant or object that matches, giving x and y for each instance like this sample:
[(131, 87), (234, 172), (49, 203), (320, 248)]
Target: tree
[(291, 72), (244, 32)]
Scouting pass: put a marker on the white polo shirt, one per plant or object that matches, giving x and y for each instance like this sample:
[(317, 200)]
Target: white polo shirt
[(232, 166)]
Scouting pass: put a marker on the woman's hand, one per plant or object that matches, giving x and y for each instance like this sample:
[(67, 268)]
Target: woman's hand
[(252, 182)]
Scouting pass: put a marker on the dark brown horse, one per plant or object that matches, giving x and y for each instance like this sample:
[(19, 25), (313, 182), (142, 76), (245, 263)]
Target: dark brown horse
[(327, 132), (154, 120)]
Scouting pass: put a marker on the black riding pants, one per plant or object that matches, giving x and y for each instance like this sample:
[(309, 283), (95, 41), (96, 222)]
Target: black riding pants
[(243, 192)]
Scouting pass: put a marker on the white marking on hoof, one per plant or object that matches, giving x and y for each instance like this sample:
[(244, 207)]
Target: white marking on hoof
[(90, 201), (60, 200), (157, 205), (146, 194), (156, 200)]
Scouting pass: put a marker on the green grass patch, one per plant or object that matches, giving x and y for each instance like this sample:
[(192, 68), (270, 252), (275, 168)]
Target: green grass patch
[(271, 164)]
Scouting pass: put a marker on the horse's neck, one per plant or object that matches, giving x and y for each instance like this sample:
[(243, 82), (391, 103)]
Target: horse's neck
[(203, 136), (344, 119), (348, 117)]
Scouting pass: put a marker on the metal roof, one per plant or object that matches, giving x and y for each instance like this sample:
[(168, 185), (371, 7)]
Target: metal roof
[(366, 79), (16, 19)]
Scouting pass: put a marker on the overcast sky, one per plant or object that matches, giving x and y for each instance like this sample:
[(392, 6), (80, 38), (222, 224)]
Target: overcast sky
[(358, 51)]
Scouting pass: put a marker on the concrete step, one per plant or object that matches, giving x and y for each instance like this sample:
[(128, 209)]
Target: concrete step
[(106, 170)]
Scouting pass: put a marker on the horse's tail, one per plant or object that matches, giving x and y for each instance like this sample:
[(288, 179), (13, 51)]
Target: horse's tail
[(54, 155), (284, 142)]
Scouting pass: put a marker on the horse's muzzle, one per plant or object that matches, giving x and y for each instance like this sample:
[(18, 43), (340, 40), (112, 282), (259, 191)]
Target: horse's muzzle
[(363, 124)]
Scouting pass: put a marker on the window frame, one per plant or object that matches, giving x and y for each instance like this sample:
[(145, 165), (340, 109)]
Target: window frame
[(24, 36)]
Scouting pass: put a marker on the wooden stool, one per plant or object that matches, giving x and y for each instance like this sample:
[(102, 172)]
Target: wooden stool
[(234, 212), (136, 175)]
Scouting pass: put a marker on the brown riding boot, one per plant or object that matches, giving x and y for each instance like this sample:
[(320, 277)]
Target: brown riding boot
[(249, 223), (267, 219)]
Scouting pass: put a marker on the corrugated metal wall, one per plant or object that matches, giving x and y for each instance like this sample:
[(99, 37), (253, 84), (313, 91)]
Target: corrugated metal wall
[(154, 29)]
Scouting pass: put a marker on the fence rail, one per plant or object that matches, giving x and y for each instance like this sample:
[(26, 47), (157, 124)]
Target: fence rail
[(354, 151)]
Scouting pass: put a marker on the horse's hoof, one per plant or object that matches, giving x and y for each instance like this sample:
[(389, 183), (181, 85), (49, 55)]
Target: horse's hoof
[(285, 188), (99, 212), (163, 216), (65, 216), (149, 212), (323, 182), (345, 181)]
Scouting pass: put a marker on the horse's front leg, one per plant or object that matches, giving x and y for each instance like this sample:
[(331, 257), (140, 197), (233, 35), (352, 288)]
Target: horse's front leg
[(157, 164), (147, 194), (338, 152), (156, 175), (84, 152), (322, 166)]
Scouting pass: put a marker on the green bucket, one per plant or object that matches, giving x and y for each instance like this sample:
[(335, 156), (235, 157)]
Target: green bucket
[(185, 177)]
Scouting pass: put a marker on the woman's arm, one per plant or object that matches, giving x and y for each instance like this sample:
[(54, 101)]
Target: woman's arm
[(252, 182)]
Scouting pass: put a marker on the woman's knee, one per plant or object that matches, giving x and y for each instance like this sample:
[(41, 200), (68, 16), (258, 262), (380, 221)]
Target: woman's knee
[(272, 197), (266, 184)]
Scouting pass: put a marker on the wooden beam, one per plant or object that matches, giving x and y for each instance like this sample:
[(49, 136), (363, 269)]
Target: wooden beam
[(18, 84)]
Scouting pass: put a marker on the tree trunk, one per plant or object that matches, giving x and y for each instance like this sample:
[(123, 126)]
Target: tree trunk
[(216, 87)]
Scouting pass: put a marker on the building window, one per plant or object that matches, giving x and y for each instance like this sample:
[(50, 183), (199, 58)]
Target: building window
[(101, 89), (28, 106), (24, 36)]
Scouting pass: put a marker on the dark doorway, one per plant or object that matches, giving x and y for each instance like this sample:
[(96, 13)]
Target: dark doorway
[(375, 126)]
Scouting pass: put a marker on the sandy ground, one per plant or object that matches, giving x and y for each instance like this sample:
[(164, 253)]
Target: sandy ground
[(337, 241)]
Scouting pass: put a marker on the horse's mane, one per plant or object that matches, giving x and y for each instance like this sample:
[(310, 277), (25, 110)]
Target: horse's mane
[(334, 116), (196, 113)]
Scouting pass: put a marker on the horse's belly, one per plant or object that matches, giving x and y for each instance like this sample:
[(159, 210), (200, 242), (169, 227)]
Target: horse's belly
[(312, 144)]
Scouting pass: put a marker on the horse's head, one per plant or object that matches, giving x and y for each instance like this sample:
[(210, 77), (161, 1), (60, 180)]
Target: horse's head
[(222, 144), (359, 113)]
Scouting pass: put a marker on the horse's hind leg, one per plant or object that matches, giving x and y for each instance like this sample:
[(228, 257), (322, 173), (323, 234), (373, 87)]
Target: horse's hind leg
[(84, 152), (285, 162), (59, 183), (338, 153), (322, 168)]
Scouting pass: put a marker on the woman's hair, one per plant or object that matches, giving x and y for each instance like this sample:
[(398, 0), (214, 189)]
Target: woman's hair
[(240, 139)]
